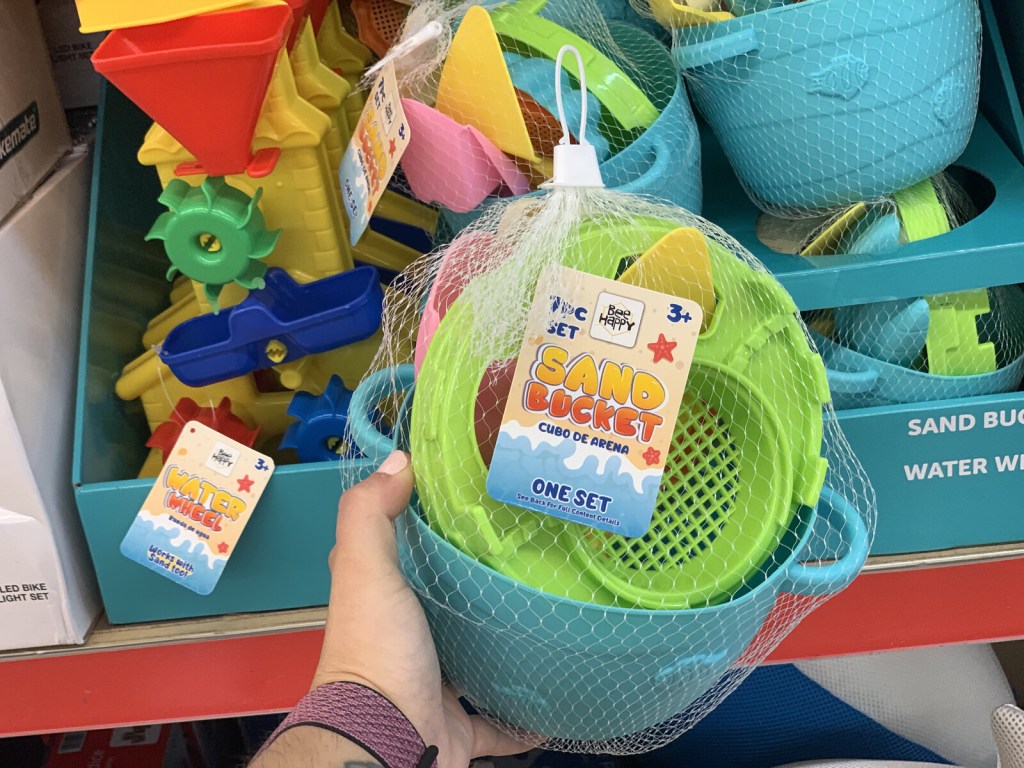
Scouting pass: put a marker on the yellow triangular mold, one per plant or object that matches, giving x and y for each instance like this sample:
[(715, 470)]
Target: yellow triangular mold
[(678, 264), (476, 89)]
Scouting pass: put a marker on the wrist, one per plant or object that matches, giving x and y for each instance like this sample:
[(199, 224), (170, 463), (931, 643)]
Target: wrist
[(322, 678), (367, 718)]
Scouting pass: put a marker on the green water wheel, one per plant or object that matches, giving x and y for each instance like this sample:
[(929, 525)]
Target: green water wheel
[(214, 234)]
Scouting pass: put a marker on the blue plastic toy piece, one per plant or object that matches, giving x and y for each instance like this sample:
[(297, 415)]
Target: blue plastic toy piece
[(281, 322), (319, 433), (821, 104), (566, 13), (892, 331), (743, 7), (880, 235), (859, 381), (533, 77)]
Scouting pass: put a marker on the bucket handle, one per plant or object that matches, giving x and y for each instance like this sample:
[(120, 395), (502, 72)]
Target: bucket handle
[(851, 382), (659, 169), (387, 381), (717, 49), (817, 580)]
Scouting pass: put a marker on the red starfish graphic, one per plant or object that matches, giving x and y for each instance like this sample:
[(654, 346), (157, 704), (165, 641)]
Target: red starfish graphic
[(245, 484), (392, 148), (662, 348), (651, 456), (222, 547)]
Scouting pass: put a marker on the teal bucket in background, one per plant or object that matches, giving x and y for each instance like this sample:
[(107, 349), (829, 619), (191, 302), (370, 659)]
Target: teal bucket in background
[(664, 160), (858, 378), (514, 651), (859, 381), (828, 102)]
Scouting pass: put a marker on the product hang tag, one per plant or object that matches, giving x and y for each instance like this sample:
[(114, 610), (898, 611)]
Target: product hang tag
[(594, 399), (378, 143), (192, 518)]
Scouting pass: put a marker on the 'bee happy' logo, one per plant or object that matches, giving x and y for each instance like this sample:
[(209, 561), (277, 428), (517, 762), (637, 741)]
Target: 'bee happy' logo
[(617, 319)]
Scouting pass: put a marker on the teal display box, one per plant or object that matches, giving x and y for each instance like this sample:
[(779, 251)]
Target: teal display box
[(946, 472), (281, 559)]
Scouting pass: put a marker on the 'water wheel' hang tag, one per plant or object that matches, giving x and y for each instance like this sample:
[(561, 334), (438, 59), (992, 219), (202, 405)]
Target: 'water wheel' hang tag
[(590, 416), (196, 511)]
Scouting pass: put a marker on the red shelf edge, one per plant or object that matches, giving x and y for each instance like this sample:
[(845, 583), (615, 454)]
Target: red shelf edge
[(975, 602)]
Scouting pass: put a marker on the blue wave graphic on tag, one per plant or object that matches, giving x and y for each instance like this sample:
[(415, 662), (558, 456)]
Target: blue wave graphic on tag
[(573, 482), (163, 547)]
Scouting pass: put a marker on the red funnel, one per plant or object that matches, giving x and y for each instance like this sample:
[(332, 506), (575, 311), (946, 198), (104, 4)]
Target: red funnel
[(203, 78)]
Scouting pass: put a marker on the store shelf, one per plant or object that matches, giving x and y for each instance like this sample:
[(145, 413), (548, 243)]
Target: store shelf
[(259, 663)]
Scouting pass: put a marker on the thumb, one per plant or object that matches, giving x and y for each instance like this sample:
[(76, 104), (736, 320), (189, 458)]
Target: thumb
[(367, 510)]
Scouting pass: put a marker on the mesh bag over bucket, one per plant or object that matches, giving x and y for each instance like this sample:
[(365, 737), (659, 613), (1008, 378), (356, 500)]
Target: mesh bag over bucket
[(824, 103), (481, 104), (928, 209), (952, 345), (590, 641), (921, 348)]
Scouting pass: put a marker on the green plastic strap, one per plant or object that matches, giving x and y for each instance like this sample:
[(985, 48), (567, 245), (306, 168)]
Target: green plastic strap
[(921, 212), (623, 99)]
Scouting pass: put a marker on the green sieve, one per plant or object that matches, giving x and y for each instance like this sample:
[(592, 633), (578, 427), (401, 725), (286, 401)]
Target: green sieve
[(723, 504), (755, 332)]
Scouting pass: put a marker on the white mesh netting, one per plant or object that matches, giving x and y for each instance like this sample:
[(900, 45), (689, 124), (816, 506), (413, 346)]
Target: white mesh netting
[(927, 209), (823, 103), (937, 347), (479, 96), (915, 349), (589, 641)]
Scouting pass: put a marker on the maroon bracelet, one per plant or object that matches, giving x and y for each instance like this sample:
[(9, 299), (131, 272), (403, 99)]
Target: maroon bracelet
[(364, 717)]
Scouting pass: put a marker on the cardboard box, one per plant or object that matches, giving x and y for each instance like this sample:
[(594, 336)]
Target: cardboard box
[(33, 130), (70, 54), (140, 746), (47, 590)]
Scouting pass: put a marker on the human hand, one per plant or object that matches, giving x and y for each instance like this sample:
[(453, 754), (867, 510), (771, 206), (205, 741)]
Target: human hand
[(377, 633)]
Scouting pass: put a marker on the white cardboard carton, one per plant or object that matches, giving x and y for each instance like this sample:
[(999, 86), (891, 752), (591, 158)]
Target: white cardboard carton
[(47, 587), (33, 128), (70, 53)]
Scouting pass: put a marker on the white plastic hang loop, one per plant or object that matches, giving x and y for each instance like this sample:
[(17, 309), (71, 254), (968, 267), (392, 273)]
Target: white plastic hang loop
[(575, 165)]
